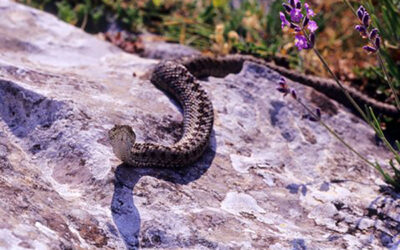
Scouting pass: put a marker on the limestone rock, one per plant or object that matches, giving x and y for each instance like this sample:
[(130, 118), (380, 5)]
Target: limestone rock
[(164, 50), (270, 178)]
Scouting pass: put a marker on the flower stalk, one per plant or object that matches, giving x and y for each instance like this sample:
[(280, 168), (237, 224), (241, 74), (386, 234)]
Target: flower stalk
[(389, 81), (351, 99), (330, 130)]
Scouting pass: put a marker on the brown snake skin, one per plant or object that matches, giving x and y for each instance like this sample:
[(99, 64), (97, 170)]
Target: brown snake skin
[(178, 78)]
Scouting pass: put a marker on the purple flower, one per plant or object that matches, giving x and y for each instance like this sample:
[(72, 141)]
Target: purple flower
[(301, 42), (287, 7), (369, 49), (312, 26), (366, 20), (283, 87), (373, 34), (285, 22), (293, 3), (298, 5), (377, 42), (318, 112), (361, 12), (298, 22), (306, 20), (362, 30), (282, 82), (309, 11), (293, 93), (295, 15)]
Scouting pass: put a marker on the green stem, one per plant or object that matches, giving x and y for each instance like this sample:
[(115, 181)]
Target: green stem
[(381, 135), (388, 79), (351, 7), (353, 102), (336, 135)]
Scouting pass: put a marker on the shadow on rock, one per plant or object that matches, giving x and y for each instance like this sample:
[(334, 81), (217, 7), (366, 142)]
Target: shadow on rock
[(24, 110), (125, 214)]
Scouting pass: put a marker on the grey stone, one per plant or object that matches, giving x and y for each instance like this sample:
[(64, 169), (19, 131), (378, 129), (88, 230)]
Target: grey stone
[(62, 187), (164, 50)]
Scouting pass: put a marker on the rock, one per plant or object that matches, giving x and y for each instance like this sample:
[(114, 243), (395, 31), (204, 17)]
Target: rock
[(270, 178), (164, 50)]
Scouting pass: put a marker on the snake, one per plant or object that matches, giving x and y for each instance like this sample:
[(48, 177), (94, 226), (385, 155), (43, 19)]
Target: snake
[(179, 79)]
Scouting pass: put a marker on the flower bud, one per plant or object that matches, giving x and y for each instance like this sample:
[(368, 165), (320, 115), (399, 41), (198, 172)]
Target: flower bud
[(293, 3), (283, 87), (318, 112), (377, 42), (306, 20), (360, 13), (282, 90), (287, 7), (293, 93), (369, 49), (373, 34), (362, 30), (366, 20), (282, 82)]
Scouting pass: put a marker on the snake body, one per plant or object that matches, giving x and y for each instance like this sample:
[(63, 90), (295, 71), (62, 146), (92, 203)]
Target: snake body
[(179, 79)]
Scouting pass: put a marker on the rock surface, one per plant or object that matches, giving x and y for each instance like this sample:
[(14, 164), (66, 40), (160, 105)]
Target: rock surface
[(270, 179)]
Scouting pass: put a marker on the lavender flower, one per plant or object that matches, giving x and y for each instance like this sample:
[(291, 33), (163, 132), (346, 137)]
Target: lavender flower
[(366, 20), (293, 93), (283, 87), (287, 7), (377, 43), (373, 35), (309, 11), (285, 22), (282, 81), (301, 42), (295, 15), (298, 5), (306, 21), (362, 30), (361, 12), (293, 3), (285, 90), (369, 49), (300, 22), (312, 26), (318, 112)]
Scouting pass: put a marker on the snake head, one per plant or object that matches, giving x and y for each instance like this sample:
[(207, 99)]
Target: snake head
[(122, 138)]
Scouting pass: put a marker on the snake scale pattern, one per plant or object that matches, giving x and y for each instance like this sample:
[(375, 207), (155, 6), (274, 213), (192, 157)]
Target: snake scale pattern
[(179, 79)]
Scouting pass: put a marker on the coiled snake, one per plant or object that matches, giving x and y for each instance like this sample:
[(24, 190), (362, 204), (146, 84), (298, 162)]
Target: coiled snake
[(178, 78)]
